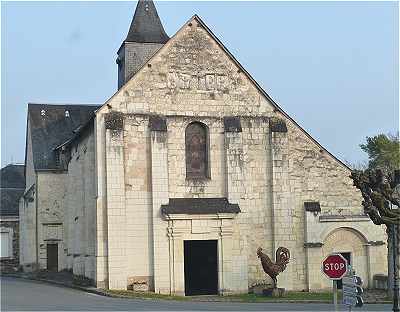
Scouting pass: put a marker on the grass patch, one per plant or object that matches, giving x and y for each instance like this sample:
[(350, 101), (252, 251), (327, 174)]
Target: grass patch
[(289, 296), (144, 295)]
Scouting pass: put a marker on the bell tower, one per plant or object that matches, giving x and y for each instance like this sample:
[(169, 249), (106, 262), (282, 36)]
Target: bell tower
[(146, 36)]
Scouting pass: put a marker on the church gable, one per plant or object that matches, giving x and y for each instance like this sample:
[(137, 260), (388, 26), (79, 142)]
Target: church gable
[(192, 75)]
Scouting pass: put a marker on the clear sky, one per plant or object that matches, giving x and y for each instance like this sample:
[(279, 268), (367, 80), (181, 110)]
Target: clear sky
[(332, 66)]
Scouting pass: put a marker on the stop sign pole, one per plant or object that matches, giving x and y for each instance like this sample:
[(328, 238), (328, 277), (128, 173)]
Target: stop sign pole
[(334, 267)]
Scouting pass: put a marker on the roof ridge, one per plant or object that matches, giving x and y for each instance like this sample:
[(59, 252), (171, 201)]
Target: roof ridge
[(61, 104)]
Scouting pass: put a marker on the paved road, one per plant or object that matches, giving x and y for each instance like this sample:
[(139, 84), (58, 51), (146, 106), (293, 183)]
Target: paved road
[(19, 294)]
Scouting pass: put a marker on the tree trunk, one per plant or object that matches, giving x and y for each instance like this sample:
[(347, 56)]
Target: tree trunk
[(391, 260)]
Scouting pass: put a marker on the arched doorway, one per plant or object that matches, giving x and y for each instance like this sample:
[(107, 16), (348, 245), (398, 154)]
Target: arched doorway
[(352, 245)]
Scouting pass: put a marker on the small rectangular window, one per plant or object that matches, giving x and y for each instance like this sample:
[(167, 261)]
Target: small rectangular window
[(5, 244)]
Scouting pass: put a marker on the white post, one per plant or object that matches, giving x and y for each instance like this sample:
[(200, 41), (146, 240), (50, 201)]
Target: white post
[(335, 297)]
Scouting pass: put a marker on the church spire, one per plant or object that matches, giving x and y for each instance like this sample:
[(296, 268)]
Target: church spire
[(146, 26), (145, 37)]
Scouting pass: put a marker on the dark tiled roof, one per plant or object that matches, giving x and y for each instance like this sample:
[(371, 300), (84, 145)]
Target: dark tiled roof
[(277, 125), (312, 206), (199, 206), (9, 201), (232, 124), (146, 26), (114, 121), (51, 127), (157, 123), (12, 176)]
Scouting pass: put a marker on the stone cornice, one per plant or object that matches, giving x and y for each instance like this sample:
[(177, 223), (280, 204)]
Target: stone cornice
[(9, 219), (313, 245), (376, 243), (212, 216), (344, 218)]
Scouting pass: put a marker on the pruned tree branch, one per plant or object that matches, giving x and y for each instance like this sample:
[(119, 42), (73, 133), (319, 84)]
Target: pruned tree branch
[(381, 194)]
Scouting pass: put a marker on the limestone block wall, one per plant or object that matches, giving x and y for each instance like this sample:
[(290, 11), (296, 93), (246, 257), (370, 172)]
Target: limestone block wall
[(243, 155), (179, 186), (80, 208), (51, 206), (116, 210), (30, 174), (270, 175), (27, 211), (314, 175), (251, 180), (202, 227), (138, 192), (347, 240), (357, 235), (101, 231), (160, 191), (27, 222), (190, 76)]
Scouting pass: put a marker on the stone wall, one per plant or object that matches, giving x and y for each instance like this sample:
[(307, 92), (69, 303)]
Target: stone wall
[(269, 174), (315, 176), (27, 211), (51, 208), (30, 174), (11, 264), (80, 208), (138, 202)]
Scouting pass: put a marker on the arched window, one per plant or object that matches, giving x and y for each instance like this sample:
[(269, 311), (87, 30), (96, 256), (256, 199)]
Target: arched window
[(196, 141)]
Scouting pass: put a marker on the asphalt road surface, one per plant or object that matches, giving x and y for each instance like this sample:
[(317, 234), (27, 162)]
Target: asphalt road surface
[(19, 294)]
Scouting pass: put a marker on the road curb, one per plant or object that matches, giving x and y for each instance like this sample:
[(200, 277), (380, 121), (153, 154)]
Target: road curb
[(58, 283), (103, 293)]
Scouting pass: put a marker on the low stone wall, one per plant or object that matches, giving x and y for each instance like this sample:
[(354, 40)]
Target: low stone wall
[(11, 264)]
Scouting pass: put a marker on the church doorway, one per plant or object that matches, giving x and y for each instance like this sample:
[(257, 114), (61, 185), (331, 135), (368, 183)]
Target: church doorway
[(52, 257), (201, 267)]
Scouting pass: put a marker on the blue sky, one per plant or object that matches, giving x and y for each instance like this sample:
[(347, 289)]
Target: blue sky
[(332, 66)]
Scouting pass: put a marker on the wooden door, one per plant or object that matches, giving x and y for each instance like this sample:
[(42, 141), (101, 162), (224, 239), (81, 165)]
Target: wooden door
[(52, 257)]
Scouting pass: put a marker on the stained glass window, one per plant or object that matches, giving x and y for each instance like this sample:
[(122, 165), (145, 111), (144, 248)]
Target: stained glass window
[(196, 151)]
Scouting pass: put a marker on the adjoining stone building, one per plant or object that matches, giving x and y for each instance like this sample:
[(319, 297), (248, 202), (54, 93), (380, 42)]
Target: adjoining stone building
[(44, 207), (183, 173), (12, 186)]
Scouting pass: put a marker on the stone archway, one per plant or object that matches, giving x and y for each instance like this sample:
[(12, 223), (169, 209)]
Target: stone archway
[(347, 240)]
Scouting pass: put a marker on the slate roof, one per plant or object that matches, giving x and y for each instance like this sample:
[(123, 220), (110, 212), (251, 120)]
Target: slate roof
[(9, 201), (146, 26), (12, 179), (50, 127), (312, 206), (199, 206), (12, 176)]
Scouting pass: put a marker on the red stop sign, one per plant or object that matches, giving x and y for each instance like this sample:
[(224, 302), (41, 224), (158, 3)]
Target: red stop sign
[(334, 266)]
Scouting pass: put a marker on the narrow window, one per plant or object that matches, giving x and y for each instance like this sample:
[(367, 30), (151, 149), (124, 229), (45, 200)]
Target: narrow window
[(196, 142)]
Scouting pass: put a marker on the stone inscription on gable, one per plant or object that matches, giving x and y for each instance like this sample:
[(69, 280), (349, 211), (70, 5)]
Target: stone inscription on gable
[(207, 82)]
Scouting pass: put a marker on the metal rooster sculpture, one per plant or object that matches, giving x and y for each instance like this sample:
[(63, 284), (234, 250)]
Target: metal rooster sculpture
[(273, 269)]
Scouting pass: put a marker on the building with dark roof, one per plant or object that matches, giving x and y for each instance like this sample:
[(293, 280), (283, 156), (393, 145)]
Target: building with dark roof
[(48, 127), (12, 186), (51, 125), (184, 173)]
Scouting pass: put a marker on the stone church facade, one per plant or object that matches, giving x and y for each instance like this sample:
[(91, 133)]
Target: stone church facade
[(189, 162)]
